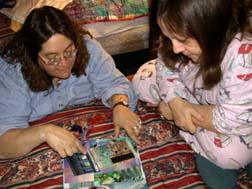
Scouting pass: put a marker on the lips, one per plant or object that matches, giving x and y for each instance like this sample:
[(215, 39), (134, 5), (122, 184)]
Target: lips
[(63, 69), (188, 56)]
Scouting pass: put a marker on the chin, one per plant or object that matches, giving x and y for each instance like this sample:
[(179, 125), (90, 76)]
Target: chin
[(194, 60), (64, 76)]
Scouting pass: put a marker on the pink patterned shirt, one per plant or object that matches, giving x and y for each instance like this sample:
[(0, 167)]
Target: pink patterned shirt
[(232, 97)]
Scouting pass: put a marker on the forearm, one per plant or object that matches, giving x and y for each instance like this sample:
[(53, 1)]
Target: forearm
[(189, 116), (19, 142), (207, 113)]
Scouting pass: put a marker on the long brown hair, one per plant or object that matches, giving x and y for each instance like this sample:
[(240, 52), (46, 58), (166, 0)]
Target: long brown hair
[(38, 27), (212, 23)]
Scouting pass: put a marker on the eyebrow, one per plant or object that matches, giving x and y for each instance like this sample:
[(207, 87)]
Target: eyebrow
[(55, 53)]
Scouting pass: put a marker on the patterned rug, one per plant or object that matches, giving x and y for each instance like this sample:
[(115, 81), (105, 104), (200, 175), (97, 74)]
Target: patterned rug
[(167, 160)]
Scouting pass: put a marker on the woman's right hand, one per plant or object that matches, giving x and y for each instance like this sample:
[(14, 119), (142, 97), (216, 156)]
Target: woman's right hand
[(61, 140)]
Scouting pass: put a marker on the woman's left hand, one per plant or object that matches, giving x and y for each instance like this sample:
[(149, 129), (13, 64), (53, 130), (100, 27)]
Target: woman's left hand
[(165, 110), (123, 117), (184, 113)]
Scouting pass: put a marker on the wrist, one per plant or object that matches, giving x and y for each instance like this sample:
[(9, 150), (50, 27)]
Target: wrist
[(43, 130), (121, 103), (119, 99)]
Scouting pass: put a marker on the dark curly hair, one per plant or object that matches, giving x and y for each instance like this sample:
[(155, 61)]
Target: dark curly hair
[(212, 23), (38, 27)]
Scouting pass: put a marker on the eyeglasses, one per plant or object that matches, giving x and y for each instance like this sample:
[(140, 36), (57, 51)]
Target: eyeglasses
[(57, 59)]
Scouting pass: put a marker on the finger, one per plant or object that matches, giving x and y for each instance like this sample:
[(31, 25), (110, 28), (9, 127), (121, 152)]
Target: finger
[(161, 103), (139, 124), (191, 127), (137, 129), (166, 115), (62, 153), (81, 148), (132, 132), (189, 124), (134, 137), (165, 112), (182, 127), (75, 149), (117, 131), (162, 117), (197, 115), (69, 151)]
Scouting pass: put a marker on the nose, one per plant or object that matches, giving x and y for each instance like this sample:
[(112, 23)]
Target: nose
[(63, 60), (177, 46)]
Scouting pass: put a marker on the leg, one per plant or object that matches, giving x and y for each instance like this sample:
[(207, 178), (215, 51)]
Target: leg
[(249, 169), (214, 176)]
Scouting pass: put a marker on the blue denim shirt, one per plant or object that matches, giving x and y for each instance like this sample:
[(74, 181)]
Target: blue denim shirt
[(19, 105)]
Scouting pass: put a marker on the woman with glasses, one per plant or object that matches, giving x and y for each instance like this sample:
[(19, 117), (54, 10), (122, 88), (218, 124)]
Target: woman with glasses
[(202, 79), (51, 63)]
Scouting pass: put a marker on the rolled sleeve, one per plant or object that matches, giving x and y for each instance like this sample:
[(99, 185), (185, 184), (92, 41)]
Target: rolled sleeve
[(106, 78)]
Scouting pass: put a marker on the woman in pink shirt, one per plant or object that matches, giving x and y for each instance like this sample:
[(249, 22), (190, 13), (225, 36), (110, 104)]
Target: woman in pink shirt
[(202, 79)]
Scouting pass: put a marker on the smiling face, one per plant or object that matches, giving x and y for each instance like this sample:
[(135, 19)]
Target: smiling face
[(189, 47), (57, 56)]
